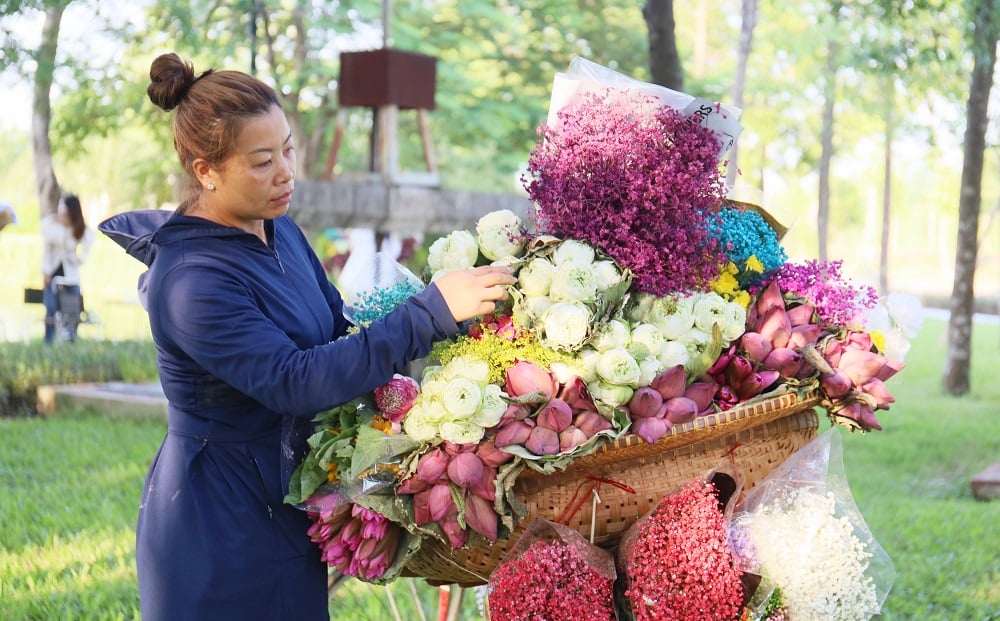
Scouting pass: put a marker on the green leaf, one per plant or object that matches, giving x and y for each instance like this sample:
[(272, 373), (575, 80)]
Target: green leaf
[(372, 446)]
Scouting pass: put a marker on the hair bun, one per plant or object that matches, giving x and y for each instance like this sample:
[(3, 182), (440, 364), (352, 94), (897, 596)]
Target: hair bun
[(170, 79)]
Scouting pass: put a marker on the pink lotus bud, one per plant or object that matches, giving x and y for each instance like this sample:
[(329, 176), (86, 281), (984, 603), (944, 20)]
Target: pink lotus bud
[(775, 327), (556, 415), (570, 438), (575, 393), (512, 434), (803, 336), (515, 411), (720, 363), (860, 365), (750, 387), (486, 486), (542, 441), (681, 410), (769, 300), (465, 469), (432, 465), (876, 388), (439, 501), (395, 398), (858, 340), (650, 429), (738, 370), (784, 360), (768, 378), (832, 352), (801, 315), (454, 449), (591, 422), (491, 455), (421, 507), (726, 398), (702, 393), (646, 402), (526, 377), (755, 346), (413, 485), (453, 531), (836, 384), (671, 382), (868, 420), (481, 516), (890, 368)]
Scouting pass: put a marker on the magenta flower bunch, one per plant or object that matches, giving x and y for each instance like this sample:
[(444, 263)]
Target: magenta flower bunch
[(642, 187), (677, 562), (837, 301), (550, 580), (356, 541)]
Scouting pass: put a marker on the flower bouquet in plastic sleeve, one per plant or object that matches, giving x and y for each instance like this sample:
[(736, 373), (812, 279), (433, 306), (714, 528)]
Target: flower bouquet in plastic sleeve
[(552, 573), (800, 529)]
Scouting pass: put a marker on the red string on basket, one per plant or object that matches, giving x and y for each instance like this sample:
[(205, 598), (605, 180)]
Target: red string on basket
[(732, 452), (592, 484)]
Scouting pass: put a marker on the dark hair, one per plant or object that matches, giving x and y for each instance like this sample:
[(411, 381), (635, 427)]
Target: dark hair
[(75, 213), (211, 109)]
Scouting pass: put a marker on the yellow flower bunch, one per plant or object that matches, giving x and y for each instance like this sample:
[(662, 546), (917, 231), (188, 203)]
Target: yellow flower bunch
[(500, 353)]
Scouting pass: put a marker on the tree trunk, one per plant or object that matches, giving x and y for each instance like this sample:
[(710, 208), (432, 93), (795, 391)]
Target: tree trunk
[(959, 357), (826, 142), (739, 82), (664, 62), (883, 263), (41, 113)]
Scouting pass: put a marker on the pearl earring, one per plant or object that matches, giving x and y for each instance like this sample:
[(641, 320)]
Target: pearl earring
[(211, 187)]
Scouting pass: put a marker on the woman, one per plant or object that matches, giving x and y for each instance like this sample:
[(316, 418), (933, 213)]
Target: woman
[(252, 343), (66, 243)]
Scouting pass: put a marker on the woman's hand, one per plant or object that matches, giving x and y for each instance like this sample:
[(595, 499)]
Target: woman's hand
[(474, 292)]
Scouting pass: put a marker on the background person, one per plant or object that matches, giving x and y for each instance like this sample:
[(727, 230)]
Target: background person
[(252, 343), (66, 240)]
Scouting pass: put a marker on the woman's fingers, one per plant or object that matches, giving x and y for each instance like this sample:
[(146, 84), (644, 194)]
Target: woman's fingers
[(474, 292)]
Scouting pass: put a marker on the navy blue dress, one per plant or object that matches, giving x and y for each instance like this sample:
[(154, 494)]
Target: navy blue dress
[(251, 343)]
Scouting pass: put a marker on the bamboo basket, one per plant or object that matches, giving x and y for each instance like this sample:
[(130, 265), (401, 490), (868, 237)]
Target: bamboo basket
[(760, 436)]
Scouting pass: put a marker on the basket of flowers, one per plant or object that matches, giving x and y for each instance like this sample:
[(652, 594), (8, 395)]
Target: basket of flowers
[(656, 327)]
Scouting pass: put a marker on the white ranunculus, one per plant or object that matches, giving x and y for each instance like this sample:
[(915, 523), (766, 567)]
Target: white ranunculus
[(461, 398), (573, 251), (613, 333), (673, 354), (565, 326), (573, 281), (472, 368), (650, 336), (491, 408), (535, 278), (617, 366), (501, 234), (608, 274), (612, 394), (419, 426), (462, 431), (456, 251), (736, 321), (649, 369), (710, 310)]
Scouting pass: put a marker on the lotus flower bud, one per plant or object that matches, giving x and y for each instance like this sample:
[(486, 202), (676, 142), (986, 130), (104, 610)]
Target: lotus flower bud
[(768, 300), (481, 516), (646, 402), (801, 315), (751, 386), (680, 410), (832, 352), (542, 441), (755, 346), (556, 415), (439, 501), (650, 429), (512, 434), (575, 394), (784, 360), (491, 455), (515, 411), (591, 422), (421, 508), (570, 438), (835, 384), (413, 485), (465, 469), (702, 393), (526, 377), (453, 448), (858, 340), (720, 363), (877, 389), (860, 365), (453, 531), (803, 336), (867, 418), (486, 486), (738, 370), (726, 397), (890, 368), (671, 382), (432, 465), (775, 327)]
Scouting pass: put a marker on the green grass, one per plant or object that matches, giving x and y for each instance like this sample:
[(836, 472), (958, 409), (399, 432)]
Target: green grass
[(70, 485)]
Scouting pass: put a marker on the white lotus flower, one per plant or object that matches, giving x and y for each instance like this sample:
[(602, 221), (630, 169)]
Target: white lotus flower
[(573, 281), (565, 326), (456, 251), (500, 234), (573, 251)]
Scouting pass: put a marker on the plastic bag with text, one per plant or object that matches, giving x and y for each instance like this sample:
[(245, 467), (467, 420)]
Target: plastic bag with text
[(802, 531)]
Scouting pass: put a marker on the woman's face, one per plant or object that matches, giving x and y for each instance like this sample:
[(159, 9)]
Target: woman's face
[(255, 183)]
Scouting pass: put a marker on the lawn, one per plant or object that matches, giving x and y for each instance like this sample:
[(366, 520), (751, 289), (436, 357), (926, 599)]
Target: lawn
[(69, 487)]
